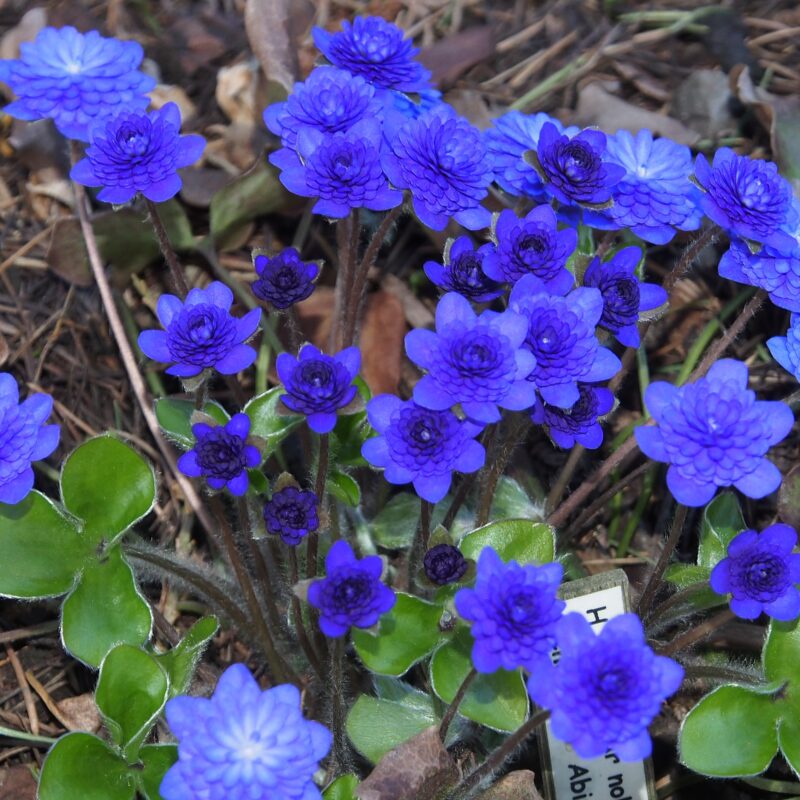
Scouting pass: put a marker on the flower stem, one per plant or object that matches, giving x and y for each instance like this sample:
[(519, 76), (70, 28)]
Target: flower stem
[(167, 250), (499, 756), (697, 634), (347, 233), (319, 490), (424, 524), (281, 672), (297, 613), (339, 749), (654, 581), (450, 714), (564, 477)]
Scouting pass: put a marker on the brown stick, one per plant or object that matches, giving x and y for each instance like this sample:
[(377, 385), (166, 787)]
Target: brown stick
[(167, 250)]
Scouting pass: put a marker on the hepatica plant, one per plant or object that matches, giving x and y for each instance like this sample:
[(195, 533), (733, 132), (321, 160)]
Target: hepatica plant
[(397, 571)]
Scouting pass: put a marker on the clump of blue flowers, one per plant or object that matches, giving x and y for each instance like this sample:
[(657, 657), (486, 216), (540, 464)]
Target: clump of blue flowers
[(606, 689), (244, 742), (222, 455), (284, 279), (200, 333), (513, 610), (24, 438), (477, 361), (420, 446), (318, 385), (760, 573), (138, 153), (714, 433), (75, 79), (351, 593)]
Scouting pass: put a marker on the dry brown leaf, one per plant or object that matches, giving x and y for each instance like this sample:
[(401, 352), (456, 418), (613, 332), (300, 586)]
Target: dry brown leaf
[(596, 107), (517, 785), (236, 93), (450, 57), (165, 93), (24, 31), (420, 767), (80, 713), (273, 28), (17, 783), (702, 102)]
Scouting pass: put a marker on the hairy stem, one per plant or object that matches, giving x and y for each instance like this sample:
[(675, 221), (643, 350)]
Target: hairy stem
[(564, 477), (167, 250), (654, 581), (450, 714), (338, 713), (347, 234), (499, 756), (697, 634), (297, 614), (319, 490)]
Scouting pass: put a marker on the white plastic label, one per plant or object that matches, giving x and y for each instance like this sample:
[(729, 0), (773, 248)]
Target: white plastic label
[(567, 776)]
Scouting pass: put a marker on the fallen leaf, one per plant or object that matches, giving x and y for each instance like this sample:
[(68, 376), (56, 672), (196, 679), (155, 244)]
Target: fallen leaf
[(702, 103), (517, 785), (789, 498), (420, 767), (200, 184), (80, 713), (599, 108), (780, 116), (236, 93), (417, 313), (382, 333), (451, 57), (17, 783), (165, 93), (24, 31)]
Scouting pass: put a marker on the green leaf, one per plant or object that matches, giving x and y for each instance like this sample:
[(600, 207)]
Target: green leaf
[(131, 691), (43, 546), (377, 726), (722, 521), (514, 539), (174, 415), (498, 700), (511, 501), (342, 788), (684, 575), (265, 420), (180, 662), (406, 635), (730, 733), (343, 487), (157, 759), (789, 742), (395, 524), (108, 485), (80, 766), (251, 195), (692, 580), (781, 659), (351, 431), (104, 609), (259, 485)]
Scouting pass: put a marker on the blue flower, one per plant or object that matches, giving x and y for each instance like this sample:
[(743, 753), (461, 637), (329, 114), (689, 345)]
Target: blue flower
[(575, 169), (444, 564), (200, 333), (221, 455), (351, 593), (513, 610), (24, 438), (477, 361), (656, 196), (284, 279), (75, 78), (760, 572), (244, 742), (578, 423), (786, 349), (624, 296), (318, 385), (774, 269), (532, 245), (412, 108), (606, 688), (463, 271), (561, 335), (714, 433), (291, 513), (746, 197), (342, 169), (442, 160), (331, 100), (511, 136), (377, 51), (419, 446), (138, 152)]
